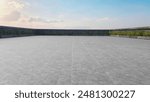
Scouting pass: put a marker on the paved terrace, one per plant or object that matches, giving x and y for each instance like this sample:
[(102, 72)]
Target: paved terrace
[(57, 60)]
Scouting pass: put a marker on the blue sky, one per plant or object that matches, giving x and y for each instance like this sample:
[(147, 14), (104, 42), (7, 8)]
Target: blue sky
[(76, 14)]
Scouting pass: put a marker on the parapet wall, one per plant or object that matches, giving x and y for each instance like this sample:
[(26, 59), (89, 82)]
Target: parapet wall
[(6, 32), (73, 32)]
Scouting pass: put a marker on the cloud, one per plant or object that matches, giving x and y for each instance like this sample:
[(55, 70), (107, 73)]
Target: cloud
[(16, 4), (37, 19), (12, 10), (90, 23), (12, 16), (104, 19)]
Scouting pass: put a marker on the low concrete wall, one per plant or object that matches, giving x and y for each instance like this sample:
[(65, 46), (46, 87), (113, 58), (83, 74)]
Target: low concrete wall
[(6, 32), (73, 32)]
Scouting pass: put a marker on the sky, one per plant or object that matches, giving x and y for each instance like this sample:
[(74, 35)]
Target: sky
[(75, 14)]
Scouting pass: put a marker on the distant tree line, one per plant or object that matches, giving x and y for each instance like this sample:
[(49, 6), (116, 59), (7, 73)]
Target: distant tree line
[(130, 33)]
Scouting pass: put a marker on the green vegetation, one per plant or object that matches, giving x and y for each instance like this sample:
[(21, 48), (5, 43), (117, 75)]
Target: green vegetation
[(131, 33)]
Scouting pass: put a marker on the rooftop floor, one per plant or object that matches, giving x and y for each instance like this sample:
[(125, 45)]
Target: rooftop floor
[(74, 60)]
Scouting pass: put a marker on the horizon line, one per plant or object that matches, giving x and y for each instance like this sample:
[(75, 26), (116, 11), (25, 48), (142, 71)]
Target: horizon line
[(76, 28)]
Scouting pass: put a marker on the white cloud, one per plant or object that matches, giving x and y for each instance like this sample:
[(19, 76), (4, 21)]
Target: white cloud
[(89, 23), (12, 16), (104, 19), (16, 4), (38, 19), (11, 10)]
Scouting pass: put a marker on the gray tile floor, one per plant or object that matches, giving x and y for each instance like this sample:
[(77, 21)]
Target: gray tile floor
[(74, 60)]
